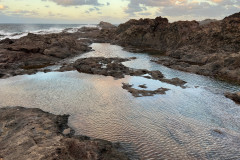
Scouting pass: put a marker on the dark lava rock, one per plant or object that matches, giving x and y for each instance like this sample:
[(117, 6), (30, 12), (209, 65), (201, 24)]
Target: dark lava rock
[(234, 96), (34, 134), (142, 93), (142, 86)]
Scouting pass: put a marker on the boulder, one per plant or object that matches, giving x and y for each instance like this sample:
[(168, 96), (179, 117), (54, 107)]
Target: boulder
[(106, 25)]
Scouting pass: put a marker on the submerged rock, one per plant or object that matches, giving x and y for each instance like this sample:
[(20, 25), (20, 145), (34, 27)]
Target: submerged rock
[(34, 134), (142, 93)]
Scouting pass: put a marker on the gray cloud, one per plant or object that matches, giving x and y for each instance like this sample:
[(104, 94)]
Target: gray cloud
[(24, 13), (93, 9), (75, 2), (56, 15), (134, 7), (209, 8), (145, 14)]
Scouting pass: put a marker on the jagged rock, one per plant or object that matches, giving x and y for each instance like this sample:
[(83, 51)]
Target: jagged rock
[(212, 49)]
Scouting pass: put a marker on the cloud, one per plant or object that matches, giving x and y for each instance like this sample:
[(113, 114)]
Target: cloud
[(93, 9), (2, 7), (194, 8), (75, 2), (50, 14), (133, 7), (145, 14), (24, 13)]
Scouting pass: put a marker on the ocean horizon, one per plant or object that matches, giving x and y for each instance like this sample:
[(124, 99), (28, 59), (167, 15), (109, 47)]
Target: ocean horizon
[(17, 30)]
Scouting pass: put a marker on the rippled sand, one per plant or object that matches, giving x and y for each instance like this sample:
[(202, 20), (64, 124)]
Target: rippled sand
[(192, 123)]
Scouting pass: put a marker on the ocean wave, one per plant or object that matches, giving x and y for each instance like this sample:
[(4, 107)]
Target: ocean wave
[(17, 35)]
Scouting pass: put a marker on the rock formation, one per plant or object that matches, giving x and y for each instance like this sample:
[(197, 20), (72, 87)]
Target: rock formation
[(32, 52), (34, 134), (212, 49)]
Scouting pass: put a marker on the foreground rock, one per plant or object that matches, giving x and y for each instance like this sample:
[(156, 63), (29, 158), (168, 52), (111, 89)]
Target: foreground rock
[(209, 48), (34, 134), (234, 96), (142, 93)]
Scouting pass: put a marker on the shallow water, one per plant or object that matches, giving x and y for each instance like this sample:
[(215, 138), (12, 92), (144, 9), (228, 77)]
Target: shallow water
[(183, 124)]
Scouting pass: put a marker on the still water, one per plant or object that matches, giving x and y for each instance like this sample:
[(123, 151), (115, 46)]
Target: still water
[(193, 123)]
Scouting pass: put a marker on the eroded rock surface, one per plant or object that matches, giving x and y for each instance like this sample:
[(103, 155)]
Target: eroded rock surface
[(34, 134)]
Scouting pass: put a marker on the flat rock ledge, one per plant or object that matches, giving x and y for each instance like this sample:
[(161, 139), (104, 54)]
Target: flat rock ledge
[(114, 67), (34, 134)]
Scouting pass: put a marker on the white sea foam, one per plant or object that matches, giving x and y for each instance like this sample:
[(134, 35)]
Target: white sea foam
[(17, 35)]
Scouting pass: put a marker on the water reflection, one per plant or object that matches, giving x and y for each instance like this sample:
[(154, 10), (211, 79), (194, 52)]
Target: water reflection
[(191, 123)]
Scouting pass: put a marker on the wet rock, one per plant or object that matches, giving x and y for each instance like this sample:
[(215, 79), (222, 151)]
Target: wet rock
[(102, 66), (175, 81), (34, 134), (142, 86), (234, 96), (142, 93)]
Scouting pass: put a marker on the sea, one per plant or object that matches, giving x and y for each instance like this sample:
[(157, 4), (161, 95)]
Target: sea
[(16, 31)]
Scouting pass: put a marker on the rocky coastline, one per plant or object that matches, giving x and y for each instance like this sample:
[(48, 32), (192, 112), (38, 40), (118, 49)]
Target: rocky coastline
[(211, 48)]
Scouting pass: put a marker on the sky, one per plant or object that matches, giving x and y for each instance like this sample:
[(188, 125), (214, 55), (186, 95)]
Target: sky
[(114, 11)]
